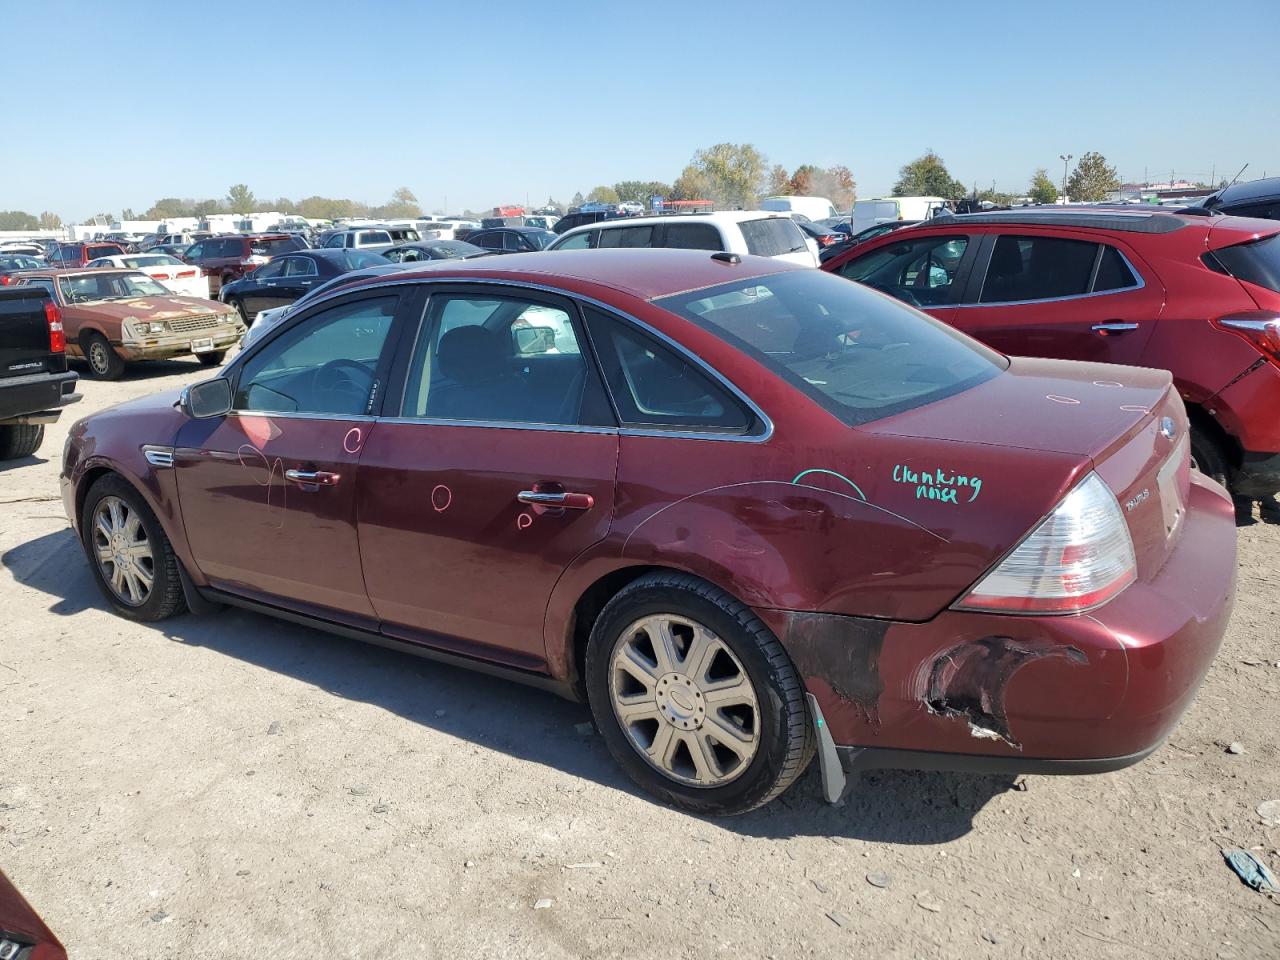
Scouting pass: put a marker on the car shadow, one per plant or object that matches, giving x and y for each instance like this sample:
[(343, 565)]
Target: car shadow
[(28, 461), (886, 806)]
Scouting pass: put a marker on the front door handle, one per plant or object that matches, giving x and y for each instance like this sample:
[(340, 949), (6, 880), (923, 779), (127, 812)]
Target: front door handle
[(1112, 327), (313, 478), (570, 501)]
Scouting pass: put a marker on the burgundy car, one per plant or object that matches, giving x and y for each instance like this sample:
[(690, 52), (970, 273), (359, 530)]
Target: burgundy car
[(745, 510), (23, 935)]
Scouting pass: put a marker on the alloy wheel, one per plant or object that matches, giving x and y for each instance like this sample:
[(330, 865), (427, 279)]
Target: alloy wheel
[(123, 551), (684, 700), (98, 358)]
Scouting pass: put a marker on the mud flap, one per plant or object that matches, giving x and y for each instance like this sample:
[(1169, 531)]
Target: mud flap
[(833, 778)]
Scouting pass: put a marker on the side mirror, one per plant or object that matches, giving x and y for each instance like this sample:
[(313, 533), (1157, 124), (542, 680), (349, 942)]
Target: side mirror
[(533, 340), (203, 401)]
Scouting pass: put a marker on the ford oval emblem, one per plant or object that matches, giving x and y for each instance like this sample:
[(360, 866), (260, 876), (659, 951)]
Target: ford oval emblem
[(1168, 429)]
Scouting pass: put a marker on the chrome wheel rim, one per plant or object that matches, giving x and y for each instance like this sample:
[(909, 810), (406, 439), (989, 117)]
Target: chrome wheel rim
[(98, 357), (123, 551), (684, 701)]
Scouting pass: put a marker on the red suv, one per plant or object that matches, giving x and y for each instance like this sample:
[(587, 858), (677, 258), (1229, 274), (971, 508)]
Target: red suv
[(230, 257), (1196, 295), (743, 508), (79, 254)]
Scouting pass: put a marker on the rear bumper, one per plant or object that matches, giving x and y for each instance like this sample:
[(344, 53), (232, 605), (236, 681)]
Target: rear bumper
[(38, 394), (1073, 694)]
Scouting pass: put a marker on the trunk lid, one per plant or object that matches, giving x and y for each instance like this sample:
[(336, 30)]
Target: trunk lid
[(24, 332), (1128, 421)]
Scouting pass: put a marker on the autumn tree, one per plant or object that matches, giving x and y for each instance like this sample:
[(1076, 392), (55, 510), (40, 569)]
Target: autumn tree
[(403, 205), (602, 194), (779, 181), (50, 221), (927, 176), (731, 174), (835, 183), (1042, 188), (18, 220), (240, 199), (1093, 179)]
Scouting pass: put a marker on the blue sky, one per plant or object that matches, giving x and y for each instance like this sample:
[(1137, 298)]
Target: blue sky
[(483, 103)]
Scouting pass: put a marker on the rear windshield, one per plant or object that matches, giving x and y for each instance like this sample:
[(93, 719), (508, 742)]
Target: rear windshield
[(773, 237), (93, 253), (279, 245), (860, 355), (358, 260), (1256, 262)]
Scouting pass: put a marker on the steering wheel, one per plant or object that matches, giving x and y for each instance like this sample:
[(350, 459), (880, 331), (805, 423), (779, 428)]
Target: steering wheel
[(898, 293), (342, 386)]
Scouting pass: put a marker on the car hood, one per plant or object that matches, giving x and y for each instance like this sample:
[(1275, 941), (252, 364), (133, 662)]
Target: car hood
[(1057, 406), (152, 308)]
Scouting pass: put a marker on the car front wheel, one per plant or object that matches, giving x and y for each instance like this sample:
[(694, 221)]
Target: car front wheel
[(104, 362), (131, 558), (695, 698)]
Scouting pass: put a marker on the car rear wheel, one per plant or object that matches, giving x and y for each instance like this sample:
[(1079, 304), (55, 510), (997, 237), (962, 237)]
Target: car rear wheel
[(695, 698), (104, 362), (1207, 455), (212, 359), (20, 440), (131, 558)]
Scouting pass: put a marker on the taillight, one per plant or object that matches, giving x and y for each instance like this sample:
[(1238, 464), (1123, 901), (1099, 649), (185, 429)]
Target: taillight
[(159, 276), (5, 280), (57, 338), (1079, 556), (181, 274), (1259, 327)]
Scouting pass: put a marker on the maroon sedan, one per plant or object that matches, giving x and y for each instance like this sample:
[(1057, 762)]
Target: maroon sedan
[(746, 510), (23, 935)]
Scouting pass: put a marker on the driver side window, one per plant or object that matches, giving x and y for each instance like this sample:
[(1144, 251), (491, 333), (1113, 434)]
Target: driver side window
[(325, 365), (922, 272)]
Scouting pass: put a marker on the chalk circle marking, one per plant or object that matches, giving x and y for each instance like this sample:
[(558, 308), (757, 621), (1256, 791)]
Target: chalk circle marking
[(441, 498), (1057, 399), (524, 521), (831, 473), (352, 441)]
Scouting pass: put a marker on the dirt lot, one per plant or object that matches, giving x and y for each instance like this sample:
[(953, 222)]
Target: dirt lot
[(233, 786)]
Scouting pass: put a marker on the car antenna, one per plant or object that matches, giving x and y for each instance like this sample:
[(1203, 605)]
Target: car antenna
[(1237, 176), (724, 257)]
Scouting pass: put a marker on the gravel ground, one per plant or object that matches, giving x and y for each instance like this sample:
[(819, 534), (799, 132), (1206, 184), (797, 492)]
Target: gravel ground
[(234, 786)]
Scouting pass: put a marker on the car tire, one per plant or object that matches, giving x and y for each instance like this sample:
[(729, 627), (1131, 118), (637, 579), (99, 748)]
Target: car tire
[(244, 316), (20, 440), (104, 362), (1207, 455), (115, 523), (674, 707), (211, 359)]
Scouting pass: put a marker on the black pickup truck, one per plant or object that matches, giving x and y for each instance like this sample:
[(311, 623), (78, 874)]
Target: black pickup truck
[(34, 381)]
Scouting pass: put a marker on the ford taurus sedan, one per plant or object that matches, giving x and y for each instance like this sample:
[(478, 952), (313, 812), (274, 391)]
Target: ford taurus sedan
[(749, 512)]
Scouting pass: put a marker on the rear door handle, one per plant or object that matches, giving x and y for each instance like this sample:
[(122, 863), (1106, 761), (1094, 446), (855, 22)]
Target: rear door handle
[(570, 501), (316, 478), (1112, 327)]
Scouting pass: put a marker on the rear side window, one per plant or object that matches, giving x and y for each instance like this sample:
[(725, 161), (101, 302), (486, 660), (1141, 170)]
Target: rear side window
[(693, 236), (653, 386), (1266, 210), (579, 241), (772, 237), (93, 253), (1038, 268), (859, 355), (626, 237), (1256, 262), (1113, 272)]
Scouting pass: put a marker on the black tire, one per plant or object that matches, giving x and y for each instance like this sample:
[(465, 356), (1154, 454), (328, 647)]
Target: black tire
[(239, 305), (786, 743), (211, 359), (1207, 455), (20, 440), (165, 597), (104, 362)]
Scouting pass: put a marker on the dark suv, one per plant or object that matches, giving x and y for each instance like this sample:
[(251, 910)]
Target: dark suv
[(230, 257), (78, 254), (1196, 295), (1257, 198)]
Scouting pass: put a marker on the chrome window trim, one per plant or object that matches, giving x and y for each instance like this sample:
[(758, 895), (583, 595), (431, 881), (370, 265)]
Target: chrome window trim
[(1142, 282), (502, 425), (359, 417), (648, 431)]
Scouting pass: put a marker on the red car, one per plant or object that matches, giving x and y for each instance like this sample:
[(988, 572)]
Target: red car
[(228, 258), (744, 509), (79, 254), (23, 935), (1196, 295)]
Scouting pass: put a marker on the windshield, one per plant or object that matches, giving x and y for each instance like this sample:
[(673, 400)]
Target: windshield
[(157, 260), (358, 260), (91, 288), (860, 355), (540, 238), (19, 263)]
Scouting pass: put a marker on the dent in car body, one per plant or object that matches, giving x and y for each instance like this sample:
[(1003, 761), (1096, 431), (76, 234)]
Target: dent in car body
[(970, 681), (842, 652)]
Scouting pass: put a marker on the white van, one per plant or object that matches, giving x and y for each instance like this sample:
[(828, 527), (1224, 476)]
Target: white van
[(868, 213), (815, 208)]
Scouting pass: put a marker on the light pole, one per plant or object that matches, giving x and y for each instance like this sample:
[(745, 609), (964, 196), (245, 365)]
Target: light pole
[(1065, 158)]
